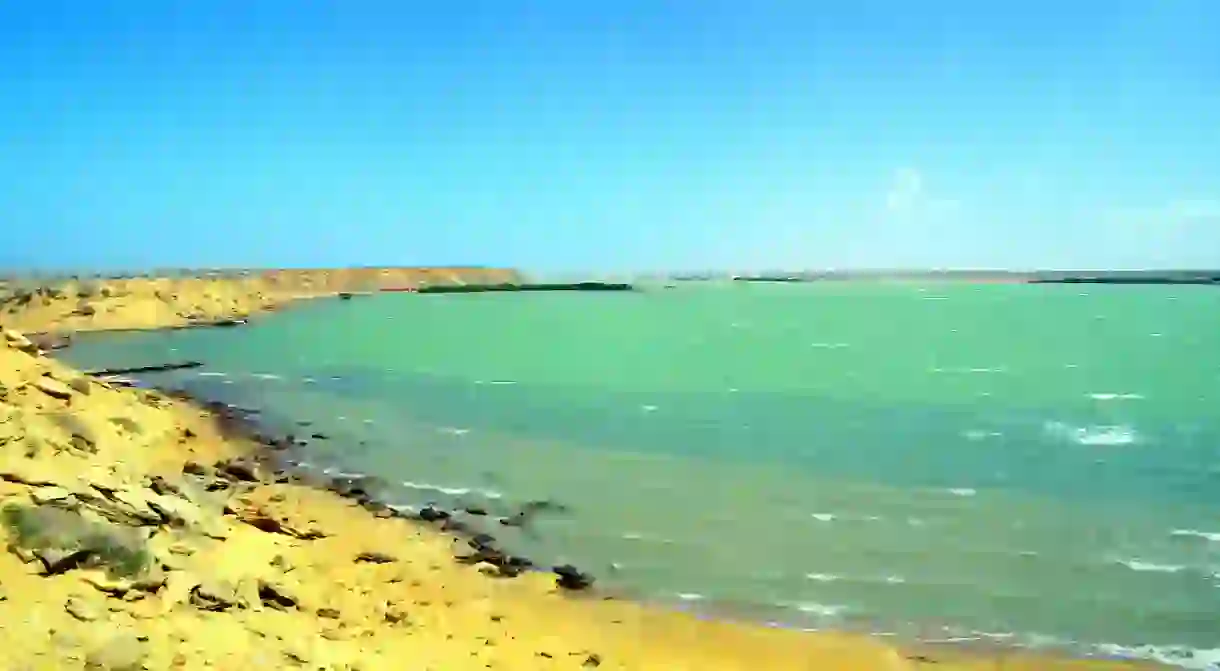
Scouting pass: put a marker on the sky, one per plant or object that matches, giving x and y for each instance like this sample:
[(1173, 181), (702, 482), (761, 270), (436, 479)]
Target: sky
[(610, 136)]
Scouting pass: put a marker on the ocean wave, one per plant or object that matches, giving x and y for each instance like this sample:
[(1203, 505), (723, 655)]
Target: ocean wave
[(1181, 656), (1111, 396), (831, 517), (451, 491), (975, 370), (1150, 567), (834, 577), (821, 610), (1210, 536), (1197, 659), (1094, 435)]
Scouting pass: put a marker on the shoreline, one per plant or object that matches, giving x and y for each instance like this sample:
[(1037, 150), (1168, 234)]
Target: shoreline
[(273, 513)]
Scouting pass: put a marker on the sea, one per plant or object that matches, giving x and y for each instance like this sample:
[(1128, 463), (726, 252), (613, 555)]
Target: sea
[(1009, 464)]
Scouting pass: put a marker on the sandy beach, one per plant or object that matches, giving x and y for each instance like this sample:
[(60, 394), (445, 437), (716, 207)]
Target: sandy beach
[(144, 533)]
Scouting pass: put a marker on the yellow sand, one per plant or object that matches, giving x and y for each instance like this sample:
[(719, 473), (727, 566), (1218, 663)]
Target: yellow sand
[(145, 303), (65, 439)]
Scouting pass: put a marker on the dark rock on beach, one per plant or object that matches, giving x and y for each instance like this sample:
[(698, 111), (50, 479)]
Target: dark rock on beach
[(571, 578), (431, 514)]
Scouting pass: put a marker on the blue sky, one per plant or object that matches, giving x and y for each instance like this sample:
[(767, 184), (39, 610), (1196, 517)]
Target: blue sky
[(610, 135)]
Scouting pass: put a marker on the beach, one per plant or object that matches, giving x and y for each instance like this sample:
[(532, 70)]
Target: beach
[(152, 531)]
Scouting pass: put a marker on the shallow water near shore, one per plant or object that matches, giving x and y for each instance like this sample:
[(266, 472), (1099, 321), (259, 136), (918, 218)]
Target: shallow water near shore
[(1033, 465)]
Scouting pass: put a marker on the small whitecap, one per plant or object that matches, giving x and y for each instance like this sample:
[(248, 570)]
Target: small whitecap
[(822, 577), (823, 517), (502, 382), (894, 579), (208, 373), (308, 380), (962, 491), (820, 609), (690, 596), (1210, 536), (1113, 396), (648, 408), (1150, 567), (267, 376), (453, 431)]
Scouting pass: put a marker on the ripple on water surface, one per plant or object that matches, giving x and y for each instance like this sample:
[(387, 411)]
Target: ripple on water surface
[(795, 462)]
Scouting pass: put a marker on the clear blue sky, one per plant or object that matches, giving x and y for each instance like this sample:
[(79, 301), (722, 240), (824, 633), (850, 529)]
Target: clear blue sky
[(610, 135)]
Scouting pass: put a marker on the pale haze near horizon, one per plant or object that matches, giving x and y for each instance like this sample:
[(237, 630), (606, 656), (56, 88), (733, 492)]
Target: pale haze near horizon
[(611, 136)]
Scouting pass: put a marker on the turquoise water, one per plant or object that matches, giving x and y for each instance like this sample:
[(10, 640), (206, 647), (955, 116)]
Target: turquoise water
[(1009, 463)]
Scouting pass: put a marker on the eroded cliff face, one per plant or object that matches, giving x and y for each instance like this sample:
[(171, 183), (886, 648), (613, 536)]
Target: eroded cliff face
[(161, 302)]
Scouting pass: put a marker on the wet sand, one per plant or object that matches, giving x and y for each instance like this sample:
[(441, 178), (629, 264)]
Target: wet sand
[(142, 533)]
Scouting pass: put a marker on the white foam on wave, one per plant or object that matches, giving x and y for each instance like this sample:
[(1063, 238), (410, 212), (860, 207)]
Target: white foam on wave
[(975, 435), (823, 517), (1181, 656), (962, 491), (502, 382), (648, 408), (1210, 536), (1112, 396), (212, 373), (1095, 435), (451, 491), (453, 430), (970, 370), (690, 596), (1196, 659), (1150, 567), (266, 376), (820, 609), (823, 577), (830, 345)]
